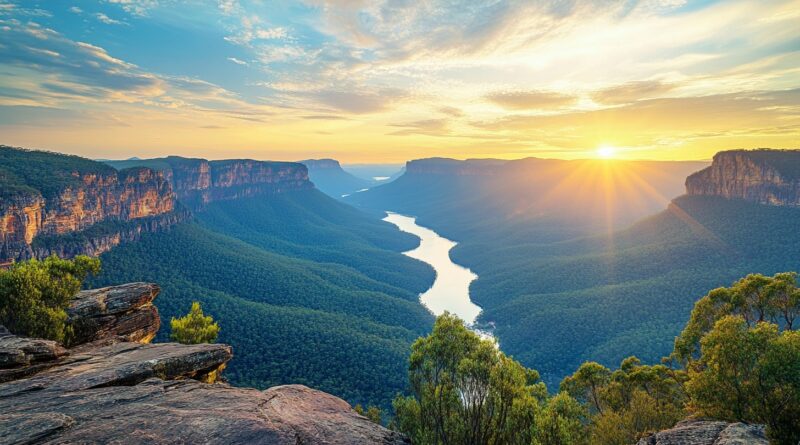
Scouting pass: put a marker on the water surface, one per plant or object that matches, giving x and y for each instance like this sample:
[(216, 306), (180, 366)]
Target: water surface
[(450, 290)]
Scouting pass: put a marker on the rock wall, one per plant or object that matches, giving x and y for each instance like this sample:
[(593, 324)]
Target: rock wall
[(198, 182), (762, 176), (140, 197), (115, 390)]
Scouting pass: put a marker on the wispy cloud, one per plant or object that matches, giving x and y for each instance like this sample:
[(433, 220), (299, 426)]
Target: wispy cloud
[(101, 17), (531, 100)]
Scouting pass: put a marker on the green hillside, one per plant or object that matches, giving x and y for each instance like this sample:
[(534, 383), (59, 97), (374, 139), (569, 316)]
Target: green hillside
[(298, 282), (558, 295)]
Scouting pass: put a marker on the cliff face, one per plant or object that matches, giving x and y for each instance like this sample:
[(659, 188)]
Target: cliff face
[(136, 200), (66, 205), (763, 176), (115, 387), (197, 182)]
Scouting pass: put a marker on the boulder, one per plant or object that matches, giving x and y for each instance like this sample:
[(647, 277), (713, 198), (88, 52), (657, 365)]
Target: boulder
[(708, 432), (125, 312)]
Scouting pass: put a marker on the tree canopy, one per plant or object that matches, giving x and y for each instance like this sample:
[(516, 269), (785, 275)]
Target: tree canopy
[(34, 295), (194, 327)]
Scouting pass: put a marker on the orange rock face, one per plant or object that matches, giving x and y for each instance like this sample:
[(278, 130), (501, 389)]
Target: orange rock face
[(129, 195), (763, 176)]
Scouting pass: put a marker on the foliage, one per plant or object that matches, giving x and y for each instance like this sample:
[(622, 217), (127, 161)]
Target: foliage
[(561, 422), (194, 327), (756, 298), (629, 402), (34, 295), (373, 413), (749, 373), (465, 391)]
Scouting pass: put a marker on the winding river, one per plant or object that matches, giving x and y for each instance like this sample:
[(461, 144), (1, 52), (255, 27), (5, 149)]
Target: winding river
[(450, 290)]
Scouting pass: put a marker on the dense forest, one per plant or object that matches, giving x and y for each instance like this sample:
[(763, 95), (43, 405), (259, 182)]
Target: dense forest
[(42, 172), (558, 295), (297, 282)]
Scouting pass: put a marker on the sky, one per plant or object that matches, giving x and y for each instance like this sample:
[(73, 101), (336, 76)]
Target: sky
[(391, 80)]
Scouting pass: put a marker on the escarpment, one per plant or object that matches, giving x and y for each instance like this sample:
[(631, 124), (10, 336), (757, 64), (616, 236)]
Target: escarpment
[(762, 176), (58, 204), (66, 205), (198, 182), (113, 386)]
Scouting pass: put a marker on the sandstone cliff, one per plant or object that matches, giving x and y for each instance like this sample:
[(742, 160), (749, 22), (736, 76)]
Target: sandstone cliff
[(47, 195), (198, 182), (762, 176), (66, 205), (117, 388)]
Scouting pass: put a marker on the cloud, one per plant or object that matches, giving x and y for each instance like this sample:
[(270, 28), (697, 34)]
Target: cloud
[(136, 7), (357, 102), (650, 122), (323, 117), (631, 92), (237, 61), (75, 10), (531, 100), (428, 127), (106, 19), (452, 111)]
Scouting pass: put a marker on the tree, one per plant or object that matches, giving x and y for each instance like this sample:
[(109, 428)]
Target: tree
[(586, 382), (465, 391), (34, 295), (194, 327), (755, 298), (561, 422), (373, 413), (749, 374), (629, 402)]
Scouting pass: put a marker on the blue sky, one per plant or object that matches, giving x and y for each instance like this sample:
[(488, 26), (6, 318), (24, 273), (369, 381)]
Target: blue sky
[(390, 80)]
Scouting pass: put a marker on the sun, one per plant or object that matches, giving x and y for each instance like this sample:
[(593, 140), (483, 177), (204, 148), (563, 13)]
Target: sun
[(606, 151)]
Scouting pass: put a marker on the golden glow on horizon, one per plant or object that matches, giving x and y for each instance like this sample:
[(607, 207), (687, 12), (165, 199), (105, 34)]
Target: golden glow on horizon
[(657, 81), (606, 151)]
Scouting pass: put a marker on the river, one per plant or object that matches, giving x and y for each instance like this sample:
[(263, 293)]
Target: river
[(450, 290)]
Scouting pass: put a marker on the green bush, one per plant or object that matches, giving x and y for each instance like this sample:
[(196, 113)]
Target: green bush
[(34, 295), (194, 328)]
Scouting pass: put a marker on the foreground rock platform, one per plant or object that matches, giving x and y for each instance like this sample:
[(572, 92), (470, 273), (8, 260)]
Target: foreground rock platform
[(126, 392), (708, 432)]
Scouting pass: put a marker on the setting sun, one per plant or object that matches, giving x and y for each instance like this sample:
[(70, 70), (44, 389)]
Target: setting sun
[(606, 151)]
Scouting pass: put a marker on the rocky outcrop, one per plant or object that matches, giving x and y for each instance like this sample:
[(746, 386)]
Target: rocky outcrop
[(111, 391), (78, 206), (707, 432), (21, 356), (762, 176), (123, 312)]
